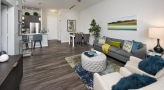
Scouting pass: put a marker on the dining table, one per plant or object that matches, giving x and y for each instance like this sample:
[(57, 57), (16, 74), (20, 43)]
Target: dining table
[(73, 39)]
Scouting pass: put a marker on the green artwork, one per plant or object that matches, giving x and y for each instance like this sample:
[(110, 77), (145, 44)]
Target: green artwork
[(71, 25), (125, 23)]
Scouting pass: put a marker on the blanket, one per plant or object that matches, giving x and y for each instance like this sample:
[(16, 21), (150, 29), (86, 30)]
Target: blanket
[(105, 48)]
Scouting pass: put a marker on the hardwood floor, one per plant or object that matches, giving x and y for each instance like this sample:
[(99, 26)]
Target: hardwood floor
[(47, 69)]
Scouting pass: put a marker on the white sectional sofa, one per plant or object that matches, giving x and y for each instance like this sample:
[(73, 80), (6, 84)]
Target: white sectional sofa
[(105, 82)]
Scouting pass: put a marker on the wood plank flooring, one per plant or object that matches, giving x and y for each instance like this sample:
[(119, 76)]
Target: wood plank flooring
[(47, 69)]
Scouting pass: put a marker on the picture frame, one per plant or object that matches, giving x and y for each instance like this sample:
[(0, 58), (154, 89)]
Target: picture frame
[(19, 29), (20, 14), (123, 23), (71, 25)]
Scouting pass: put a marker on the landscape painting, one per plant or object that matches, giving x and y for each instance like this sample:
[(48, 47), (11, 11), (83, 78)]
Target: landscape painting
[(124, 23)]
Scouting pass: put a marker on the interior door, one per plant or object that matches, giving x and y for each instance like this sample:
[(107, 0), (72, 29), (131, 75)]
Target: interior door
[(4, 28)]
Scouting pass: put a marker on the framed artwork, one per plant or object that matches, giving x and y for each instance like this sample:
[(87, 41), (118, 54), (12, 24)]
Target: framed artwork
[(123, 23), (20, 14), (71, 25), (19, 29)]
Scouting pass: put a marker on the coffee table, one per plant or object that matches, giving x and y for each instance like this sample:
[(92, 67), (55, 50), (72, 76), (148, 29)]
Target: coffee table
[(94, 64)]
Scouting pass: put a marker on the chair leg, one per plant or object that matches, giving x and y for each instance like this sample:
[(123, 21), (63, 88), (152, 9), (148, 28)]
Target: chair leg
[(34, 44), (40, 44), (27, 46)]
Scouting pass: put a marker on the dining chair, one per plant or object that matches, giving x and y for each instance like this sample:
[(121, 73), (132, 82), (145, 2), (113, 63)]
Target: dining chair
[(86, 38), (37, 38), (78, 39), (25, 40)]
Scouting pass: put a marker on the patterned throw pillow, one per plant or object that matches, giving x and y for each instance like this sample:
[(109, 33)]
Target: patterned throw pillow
[(102, 40), (127, 46)]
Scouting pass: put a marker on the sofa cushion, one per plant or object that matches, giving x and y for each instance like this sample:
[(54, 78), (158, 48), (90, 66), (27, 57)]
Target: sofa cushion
[(113, 49), (123, 53), (111, 79), (118, 40)]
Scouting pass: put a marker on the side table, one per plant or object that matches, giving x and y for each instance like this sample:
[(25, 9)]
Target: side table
[(155, 54)]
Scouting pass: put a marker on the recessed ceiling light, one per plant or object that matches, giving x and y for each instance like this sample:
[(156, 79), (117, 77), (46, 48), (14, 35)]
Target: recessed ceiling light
[(52, 10)]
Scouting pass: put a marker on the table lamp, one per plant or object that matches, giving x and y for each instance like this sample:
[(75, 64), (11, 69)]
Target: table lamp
[(157, 33)]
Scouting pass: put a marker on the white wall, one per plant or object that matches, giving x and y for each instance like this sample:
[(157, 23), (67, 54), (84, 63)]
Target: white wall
[(13, 44), (64, 15), (49, 21), (32, 11), (149, 13), (0, 27)]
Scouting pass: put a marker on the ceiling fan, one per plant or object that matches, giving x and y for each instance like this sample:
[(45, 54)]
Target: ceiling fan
[(74, 5)]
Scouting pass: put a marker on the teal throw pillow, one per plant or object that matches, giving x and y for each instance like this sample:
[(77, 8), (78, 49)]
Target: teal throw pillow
[(134, 81), (136, 45), (151, 65)]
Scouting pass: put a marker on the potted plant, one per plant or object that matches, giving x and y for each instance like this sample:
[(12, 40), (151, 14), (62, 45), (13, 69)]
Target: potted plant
[(35, 14), (27, 13), (94, 29), (44, 30)]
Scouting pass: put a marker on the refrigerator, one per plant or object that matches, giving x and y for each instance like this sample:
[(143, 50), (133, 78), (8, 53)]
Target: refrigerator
[(34, 27)]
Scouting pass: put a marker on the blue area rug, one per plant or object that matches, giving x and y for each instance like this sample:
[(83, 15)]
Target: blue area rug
[(86, 76)]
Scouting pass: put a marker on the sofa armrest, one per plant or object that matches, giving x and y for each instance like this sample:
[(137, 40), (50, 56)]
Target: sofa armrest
[(95, 41), (140, 53), (98, 83), (137, 70), (124, 72), (158, 85)]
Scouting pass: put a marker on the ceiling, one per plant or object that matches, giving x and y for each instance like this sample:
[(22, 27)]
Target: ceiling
[(60, 4)]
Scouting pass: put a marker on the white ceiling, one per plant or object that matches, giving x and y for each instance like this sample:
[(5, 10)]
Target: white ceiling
[(60, 4)]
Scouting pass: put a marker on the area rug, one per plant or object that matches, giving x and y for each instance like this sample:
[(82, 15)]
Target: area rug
[(86, 76)]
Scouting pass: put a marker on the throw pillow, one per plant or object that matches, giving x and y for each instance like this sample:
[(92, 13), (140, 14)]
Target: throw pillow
[(115, 44), (127, 46), (136, 45), (151, 65), (134, 81), (102, 40)]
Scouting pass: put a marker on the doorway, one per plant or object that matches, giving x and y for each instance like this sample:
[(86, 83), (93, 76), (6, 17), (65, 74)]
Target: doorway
[(4, 27)]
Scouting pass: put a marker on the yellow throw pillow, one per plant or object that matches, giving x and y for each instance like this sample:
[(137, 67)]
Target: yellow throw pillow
[(115, 44)]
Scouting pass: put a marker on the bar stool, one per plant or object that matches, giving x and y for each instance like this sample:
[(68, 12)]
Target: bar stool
[(25, 40), (37, 38)]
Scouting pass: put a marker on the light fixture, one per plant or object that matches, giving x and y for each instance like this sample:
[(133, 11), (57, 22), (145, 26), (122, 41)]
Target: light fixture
[(52, 10), (39, 18), (157, 33), (72, 7), (22, 17)]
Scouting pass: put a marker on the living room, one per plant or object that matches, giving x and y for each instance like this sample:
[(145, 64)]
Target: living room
[(61, 64)]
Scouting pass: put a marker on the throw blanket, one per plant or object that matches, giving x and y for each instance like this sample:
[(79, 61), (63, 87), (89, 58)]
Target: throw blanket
[(105, 48)]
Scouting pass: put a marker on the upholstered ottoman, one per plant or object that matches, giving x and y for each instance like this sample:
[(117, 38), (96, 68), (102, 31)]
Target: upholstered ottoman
[(94, 64)]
